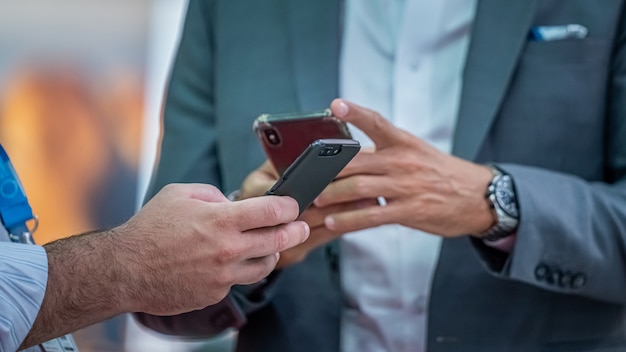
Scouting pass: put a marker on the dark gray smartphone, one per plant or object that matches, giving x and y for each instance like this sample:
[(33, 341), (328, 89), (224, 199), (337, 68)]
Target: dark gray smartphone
[(285, 136), (314, 169)]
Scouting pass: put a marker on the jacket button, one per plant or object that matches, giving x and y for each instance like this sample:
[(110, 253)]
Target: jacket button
[(565, 280), (552, 277), (579, 280), (542, 271)]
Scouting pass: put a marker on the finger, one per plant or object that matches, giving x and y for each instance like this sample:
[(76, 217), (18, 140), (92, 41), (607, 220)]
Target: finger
[(263, 211), (257, 182), (366, 163), (256, 185), (270, 240), (314, 216), (362, 218), (379, 129), (356, 188), (256, 269), (320, 236)]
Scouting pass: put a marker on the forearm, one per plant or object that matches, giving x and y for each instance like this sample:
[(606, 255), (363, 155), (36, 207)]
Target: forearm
[(86, 284)]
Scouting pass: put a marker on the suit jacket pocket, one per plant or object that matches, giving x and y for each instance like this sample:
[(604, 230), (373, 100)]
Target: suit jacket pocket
[(566, 52)]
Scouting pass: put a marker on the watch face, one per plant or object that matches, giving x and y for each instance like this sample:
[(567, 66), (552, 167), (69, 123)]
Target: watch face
[(506, 197)]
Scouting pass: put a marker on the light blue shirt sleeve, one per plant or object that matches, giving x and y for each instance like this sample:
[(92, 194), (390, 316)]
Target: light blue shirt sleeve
[(23, 279)]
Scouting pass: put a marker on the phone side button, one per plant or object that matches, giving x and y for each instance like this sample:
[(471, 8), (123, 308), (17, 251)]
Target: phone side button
[(275, 186)]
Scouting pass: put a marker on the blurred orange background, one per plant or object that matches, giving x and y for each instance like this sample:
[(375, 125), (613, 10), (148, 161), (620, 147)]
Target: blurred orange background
[(75, 144), (81, 83)]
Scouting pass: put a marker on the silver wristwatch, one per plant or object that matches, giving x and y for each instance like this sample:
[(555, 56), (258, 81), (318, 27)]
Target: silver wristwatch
[(503, 202)]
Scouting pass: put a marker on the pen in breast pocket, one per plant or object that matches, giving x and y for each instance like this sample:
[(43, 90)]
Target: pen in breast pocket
[(552, 33)]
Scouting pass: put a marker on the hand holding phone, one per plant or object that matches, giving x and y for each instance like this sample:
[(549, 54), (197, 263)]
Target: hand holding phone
[(314, 169)]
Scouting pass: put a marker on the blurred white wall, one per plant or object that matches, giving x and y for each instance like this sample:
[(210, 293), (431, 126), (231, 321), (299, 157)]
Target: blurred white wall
[(165, 25)]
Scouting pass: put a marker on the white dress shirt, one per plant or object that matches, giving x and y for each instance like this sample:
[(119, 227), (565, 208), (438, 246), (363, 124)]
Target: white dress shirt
[(404, 59), (23, 280)]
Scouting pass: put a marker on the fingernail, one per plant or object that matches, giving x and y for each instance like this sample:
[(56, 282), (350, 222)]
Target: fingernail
[(329, 222), (342, 109), (307, 230)]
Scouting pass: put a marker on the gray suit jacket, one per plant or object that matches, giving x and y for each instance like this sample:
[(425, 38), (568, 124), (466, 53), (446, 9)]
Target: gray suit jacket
[(553, 114)]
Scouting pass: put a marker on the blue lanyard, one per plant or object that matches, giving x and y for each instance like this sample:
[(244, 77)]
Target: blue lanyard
[(14, 208), (15, 212)]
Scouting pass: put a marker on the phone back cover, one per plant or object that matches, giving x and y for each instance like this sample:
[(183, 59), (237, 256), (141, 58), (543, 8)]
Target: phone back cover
[(307, 177)]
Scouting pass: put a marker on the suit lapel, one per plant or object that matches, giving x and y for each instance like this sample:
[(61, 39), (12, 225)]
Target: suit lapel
[(315, 29), (500, 31)]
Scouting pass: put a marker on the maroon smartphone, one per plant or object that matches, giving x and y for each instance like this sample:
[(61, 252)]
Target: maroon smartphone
[(285, 136)]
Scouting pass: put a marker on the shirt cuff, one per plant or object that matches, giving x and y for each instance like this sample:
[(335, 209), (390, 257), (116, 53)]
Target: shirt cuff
[(505, 244), (23, 281)]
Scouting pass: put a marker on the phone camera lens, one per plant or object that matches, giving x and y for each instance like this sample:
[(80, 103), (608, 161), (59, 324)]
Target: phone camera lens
[(330, 151), (272, 136)]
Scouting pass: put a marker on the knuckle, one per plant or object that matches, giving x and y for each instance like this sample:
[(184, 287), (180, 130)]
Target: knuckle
[(226, 256), (379, 121), (171, 188), (273, 211), (214, 191), (281, 238), (360, 186), (222, 218)]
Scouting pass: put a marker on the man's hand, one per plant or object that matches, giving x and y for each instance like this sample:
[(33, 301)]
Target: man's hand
[(181, 252), (425, 189), (197, 244)]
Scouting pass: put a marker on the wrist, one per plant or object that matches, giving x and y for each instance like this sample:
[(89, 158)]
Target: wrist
[(125, 269), (82, 286), (108, 268), (480, 216)]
